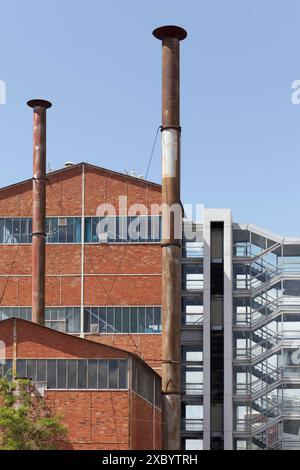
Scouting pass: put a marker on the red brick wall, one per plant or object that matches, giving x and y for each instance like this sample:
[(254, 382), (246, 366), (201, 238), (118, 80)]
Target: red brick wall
[(148, 347), (105, 186), (35, 341), (16, 200), (145, 425), (139, 258), (63, 261), (95, 420)]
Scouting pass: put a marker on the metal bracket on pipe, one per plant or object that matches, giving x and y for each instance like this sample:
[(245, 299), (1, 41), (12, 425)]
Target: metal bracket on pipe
[(38, 233), (164, 128)]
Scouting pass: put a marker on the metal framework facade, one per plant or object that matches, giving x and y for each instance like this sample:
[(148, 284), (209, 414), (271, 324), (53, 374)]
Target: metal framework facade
[(261, 402)]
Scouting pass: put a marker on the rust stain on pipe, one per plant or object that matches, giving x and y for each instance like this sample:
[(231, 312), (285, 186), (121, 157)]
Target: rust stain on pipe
[(171, 239), (39, 209)]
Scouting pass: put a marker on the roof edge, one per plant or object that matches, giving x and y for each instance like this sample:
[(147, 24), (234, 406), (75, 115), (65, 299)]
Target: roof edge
[(36, 325), (76, 165)]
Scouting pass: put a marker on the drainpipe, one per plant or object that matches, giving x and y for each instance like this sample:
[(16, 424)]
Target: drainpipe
[(171, 238), (39, 209)]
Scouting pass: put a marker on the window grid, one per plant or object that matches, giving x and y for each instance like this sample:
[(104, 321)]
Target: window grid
[(104, 320), (64, 319), (122, 229), (58, 230), (119, 229), (19, 312), (63, 229), (107, 320), (6, 369), (101, 374)]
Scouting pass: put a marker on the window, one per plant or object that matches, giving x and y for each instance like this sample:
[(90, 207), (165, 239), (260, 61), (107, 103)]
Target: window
[(61, 374), (193, 250), (241, 243), (113, 374), (65, 319), (51, 373), (63, 229), (193, 417), (107, 320), (92, 374), (192, 310), (193, 444), (73, 373), (103, 320), (6, 369), (192, 380), (58, 230), (192, 276), (82, 374), (19, 312), (122, 229), (17, 230), (103, 374), (146, 383), (241, 276)]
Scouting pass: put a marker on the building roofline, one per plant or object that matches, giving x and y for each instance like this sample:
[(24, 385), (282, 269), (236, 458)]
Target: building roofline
[(87, 341), (36, 325), (76, 165)]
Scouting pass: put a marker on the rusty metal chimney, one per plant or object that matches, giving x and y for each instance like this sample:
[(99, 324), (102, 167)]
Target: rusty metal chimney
[(171, 239), (39, 209)]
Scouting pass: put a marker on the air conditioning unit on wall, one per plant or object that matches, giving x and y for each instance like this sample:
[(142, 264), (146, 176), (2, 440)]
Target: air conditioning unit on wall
[(94, 328)]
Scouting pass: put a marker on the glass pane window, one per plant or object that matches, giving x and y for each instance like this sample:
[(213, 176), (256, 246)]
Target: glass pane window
[(58, 230), (6, 369), (15, 230), (118, 320), (73, 373), (123, 229), (64, 319), (63, 229), (192, 277), (192, 310), (18, 312)]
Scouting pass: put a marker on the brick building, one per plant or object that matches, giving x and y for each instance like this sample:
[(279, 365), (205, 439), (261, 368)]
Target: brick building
[(107, 291), (109, 398)]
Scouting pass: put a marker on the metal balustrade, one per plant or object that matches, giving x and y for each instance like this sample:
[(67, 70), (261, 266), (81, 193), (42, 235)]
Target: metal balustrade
[(189, 388), (191, 424), (266, 406)]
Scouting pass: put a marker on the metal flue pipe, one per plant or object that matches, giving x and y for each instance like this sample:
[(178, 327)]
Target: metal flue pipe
[(171, 235), (39, 209)]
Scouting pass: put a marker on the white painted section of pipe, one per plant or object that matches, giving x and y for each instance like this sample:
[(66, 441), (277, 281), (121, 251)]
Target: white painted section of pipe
[(169, 152)]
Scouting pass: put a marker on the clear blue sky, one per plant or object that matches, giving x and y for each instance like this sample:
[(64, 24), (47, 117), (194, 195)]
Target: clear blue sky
[(100, 66)]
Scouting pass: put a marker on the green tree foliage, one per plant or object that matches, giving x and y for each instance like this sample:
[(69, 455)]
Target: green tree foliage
[(26, 422)]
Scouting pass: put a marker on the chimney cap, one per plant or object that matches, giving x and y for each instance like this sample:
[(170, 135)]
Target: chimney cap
[(38, 102), (170, 31)]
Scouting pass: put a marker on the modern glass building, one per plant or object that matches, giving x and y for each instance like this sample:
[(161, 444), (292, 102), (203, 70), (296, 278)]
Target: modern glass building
[(240, 337)]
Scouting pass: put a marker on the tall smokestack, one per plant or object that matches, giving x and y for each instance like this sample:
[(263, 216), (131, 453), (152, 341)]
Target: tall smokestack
[(39, 209), (171, 239)]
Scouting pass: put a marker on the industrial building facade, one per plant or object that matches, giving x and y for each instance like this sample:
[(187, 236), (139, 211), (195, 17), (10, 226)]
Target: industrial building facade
[(240, 340), (108, 398), (241, 331), (91, 287)]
